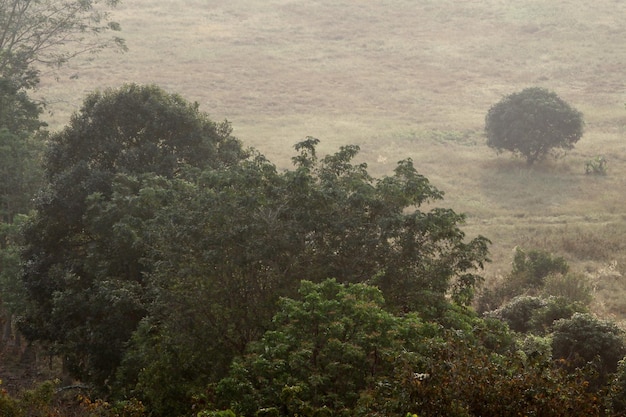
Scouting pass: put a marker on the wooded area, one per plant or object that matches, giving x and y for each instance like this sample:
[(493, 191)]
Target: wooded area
[(152, 264)]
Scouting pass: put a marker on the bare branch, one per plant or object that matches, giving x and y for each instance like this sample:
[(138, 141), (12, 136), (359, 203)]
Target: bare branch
[(51, 32)]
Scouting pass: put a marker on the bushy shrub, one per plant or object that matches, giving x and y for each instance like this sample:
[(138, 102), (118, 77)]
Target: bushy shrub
[(48, 400), (535, 314), (573, 287), (326, 348), (8, 405), (553, 309), (518, 313), (616, 396), (535, 265), (535, 272), (336, 352), (464, 379), (596, 166), (535, 349), (583, 339)]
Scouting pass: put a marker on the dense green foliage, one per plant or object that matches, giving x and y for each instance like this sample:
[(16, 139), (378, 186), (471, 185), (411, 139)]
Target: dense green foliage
[(583, 339), (34, 33), (536, 273), (228, 244), (180, 274), (547, 304), (535, 314), (532, 267), (533, 123), (616, 397), (153, 226), (327, 348), (19, 149), (169, 267), (83, 272), (13, 295), (336, 351), (541, 297)]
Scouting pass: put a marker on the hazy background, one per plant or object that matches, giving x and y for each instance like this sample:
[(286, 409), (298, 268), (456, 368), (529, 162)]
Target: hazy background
[(404, 78)]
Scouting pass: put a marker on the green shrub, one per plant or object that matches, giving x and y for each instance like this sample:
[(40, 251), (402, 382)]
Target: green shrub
[(518, 313), (529, 314), (596, 166), (535, 349), (584, 340), (553, 309), (326, 348), (535, 265), (8, 405), (616, 396), (573, 287), (463, 379), (531, 271)]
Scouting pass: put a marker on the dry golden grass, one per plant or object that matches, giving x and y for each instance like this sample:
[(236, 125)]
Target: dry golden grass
[(405, 78)]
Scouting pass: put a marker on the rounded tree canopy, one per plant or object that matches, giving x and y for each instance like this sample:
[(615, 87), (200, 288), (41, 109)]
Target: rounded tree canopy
[(533, 123), (139, 129), (70, 254)]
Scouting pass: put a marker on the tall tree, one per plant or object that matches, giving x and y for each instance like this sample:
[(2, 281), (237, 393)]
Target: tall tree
[(226, 245), (19, 151), (86, 285), (36, 33), (361, 229)]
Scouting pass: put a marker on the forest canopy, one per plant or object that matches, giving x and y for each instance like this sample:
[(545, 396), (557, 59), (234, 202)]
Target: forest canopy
[(171, 268), (154, 215)]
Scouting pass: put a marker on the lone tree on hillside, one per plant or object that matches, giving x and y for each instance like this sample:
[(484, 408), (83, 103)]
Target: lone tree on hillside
[(532, 123)]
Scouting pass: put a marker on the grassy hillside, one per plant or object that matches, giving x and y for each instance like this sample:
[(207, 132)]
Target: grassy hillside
[(405, 78)]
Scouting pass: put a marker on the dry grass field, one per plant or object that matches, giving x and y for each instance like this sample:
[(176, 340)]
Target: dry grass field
[(405, 78)]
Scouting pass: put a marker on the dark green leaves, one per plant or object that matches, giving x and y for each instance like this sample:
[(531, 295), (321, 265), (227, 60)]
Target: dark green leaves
[(108, 174), (533, 123), (327, 347), (227, 244), (156, 213)]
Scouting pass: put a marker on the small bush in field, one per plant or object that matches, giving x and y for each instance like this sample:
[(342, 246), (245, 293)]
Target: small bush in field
[(529, 273), (536, 315), (534, 266), (573, 287), (596, 166)]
